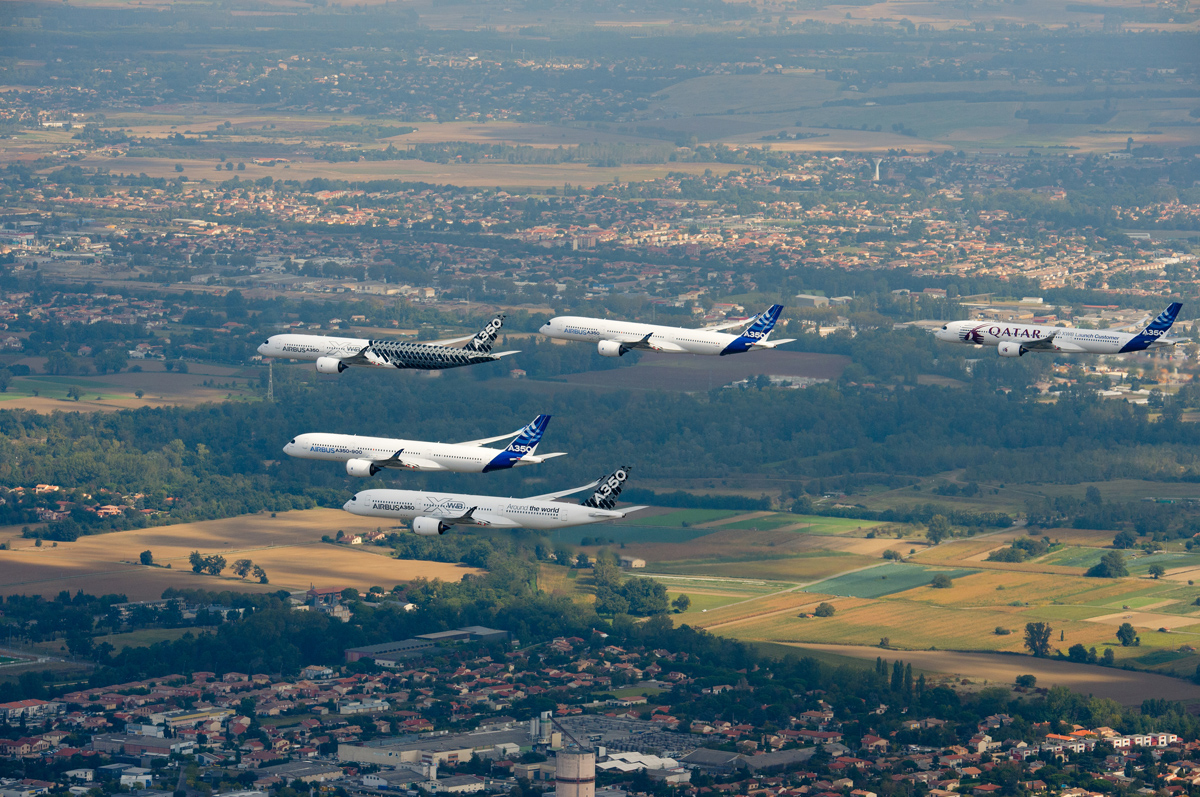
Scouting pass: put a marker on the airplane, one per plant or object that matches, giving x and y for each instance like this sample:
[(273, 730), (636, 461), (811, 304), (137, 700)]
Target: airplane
[(436, 513), (366, 456), (615, 338), (334, 355), (1014, 340)]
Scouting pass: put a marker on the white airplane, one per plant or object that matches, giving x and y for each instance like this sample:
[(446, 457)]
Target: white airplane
[(334, 355), (1014, 340), (436, 513), (614, 338), (366, 456)]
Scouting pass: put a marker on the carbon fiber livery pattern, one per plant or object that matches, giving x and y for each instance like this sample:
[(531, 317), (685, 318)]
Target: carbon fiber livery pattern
[(429, 358)]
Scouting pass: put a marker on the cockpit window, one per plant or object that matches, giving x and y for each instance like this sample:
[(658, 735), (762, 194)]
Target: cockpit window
[(293, 442), (945, 326)]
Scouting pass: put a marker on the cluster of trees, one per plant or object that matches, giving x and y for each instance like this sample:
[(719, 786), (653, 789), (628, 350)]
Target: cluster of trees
[(212, 564), (641, 597), (1021, 549)]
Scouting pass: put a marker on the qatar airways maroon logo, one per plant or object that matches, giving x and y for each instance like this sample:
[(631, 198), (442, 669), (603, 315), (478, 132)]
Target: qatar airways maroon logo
[(975, 334)]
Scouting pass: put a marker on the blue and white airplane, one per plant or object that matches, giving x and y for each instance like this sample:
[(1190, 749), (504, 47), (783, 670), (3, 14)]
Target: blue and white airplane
[(1014, 340), (615, 338), (366, 456)]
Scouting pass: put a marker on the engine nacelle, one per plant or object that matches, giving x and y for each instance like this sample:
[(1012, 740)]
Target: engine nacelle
[(362, 468), (1008, 349), (610, 348), (429, 526), (330, 365)]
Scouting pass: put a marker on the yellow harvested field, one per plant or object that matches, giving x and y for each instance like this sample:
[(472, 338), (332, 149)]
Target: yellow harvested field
[(999, 589), (962, 550), (1152, 620), (1084, 537), (910, 625), (288, 547), (768, 605)]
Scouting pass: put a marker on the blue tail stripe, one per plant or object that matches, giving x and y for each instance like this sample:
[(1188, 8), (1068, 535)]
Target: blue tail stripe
[(522, 444), (1166, 318)]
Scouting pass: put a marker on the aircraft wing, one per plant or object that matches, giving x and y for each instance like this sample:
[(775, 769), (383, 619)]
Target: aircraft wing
[(1043, 344), (358, 359), (484, 441), (411, 463), (649, 344), (471, 518), (741, 322), (444, 341), (1138, 325), (562, 493)]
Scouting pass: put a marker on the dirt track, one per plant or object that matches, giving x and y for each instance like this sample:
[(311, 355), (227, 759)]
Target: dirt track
[(1125, 686)]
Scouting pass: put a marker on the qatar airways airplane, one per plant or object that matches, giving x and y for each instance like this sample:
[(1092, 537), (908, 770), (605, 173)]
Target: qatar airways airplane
[(615, 338), (436, 513), (366, 456), (1014, 340), (334, 355)]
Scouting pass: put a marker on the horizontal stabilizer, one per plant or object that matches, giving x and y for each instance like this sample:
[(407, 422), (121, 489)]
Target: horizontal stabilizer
[(506, 353), (770, 344)]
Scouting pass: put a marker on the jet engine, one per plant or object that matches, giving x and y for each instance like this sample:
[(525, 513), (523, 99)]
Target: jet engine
[(429, 526), (330, 365), (1008, 349), (610, 348), (362, 468)]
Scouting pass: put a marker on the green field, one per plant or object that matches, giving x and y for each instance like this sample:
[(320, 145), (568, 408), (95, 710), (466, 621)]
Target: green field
[(1074, 557), (831, 525), (1141, 565), (794, 569), (882, 580), (146, 637), (629, 534), (682, 517), (56, 387), (766, 523)]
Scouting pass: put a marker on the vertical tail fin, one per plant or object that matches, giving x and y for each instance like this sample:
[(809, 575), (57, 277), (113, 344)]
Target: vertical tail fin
[(607, 489), (483, 340), (529, 437), (1164, 321)]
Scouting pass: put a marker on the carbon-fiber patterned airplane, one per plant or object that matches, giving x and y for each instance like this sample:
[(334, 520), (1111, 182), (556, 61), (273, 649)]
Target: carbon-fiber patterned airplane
[(334, 355)]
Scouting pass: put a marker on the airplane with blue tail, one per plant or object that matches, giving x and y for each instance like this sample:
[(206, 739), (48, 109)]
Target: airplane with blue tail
[(367, 456), (1015, 340), (616, 338)]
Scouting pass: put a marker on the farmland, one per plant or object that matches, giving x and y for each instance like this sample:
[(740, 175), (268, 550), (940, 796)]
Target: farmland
[(288, 547), (883, 580)]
